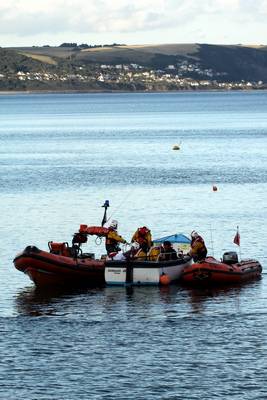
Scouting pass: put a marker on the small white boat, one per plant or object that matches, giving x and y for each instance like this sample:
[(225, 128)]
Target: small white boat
[(135, 272)]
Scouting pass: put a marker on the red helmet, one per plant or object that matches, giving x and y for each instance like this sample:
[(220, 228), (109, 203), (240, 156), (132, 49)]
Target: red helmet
[(143, 231)]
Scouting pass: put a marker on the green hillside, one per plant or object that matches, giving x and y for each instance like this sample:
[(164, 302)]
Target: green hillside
[(100, 67), (237, 61), (14, 61)]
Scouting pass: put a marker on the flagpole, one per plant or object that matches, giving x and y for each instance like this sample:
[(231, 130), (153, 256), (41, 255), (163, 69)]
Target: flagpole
[(238, 242), (211, 241)]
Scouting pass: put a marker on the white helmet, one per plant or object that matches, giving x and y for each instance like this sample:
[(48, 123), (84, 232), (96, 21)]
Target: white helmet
[(194, 234), (114, 224)]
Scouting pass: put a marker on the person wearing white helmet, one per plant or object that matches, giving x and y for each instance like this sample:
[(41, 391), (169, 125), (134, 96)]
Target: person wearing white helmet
[(198, 248), (194, 235), (113, 238), (114, 224)]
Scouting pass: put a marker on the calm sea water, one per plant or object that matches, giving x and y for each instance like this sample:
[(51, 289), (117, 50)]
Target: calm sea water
[(61, 157)]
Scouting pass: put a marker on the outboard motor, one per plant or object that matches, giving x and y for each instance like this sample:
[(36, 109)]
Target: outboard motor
[(230, 257)]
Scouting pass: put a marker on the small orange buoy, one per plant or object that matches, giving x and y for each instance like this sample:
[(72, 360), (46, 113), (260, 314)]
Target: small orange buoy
[(214, 188), (164, 279)]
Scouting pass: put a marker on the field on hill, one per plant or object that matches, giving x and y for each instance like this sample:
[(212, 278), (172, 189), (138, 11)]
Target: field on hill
[(151, 67), (39, 57), (53, 52), (127, 53)]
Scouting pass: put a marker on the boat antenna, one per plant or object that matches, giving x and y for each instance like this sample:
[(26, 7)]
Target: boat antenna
[(211, 241), (106, 206), (119, 205)]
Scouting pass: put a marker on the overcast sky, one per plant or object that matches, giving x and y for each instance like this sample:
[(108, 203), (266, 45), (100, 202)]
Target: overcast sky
[(35, 22)]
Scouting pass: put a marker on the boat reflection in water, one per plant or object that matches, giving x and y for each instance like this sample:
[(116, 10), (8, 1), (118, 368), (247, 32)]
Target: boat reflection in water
[(94, 302), (100, 303), (37, 302), (200, 298)]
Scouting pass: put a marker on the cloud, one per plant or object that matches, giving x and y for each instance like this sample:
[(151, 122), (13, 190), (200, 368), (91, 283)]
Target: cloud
[(31, 17), (255, 10)]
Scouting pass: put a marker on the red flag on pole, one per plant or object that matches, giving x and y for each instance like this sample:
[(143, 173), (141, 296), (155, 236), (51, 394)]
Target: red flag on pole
[(237, 238)]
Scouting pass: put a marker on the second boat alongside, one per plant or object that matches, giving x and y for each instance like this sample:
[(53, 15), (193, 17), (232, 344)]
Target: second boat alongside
[(228, 271)]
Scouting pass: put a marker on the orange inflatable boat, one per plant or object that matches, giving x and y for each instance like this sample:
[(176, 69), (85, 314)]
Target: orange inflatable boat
[(60, 267), (228, 271)]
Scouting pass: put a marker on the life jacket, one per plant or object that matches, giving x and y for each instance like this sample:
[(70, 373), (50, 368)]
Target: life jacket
[(142, 236), (154, 253), (198, 246), (113, 237)]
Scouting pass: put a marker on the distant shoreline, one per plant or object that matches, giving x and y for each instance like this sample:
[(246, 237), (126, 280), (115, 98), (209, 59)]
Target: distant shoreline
[(120, 68), (16, 92)]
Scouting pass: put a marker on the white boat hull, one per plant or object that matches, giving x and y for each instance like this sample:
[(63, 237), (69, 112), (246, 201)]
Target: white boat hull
[(144, 272)]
